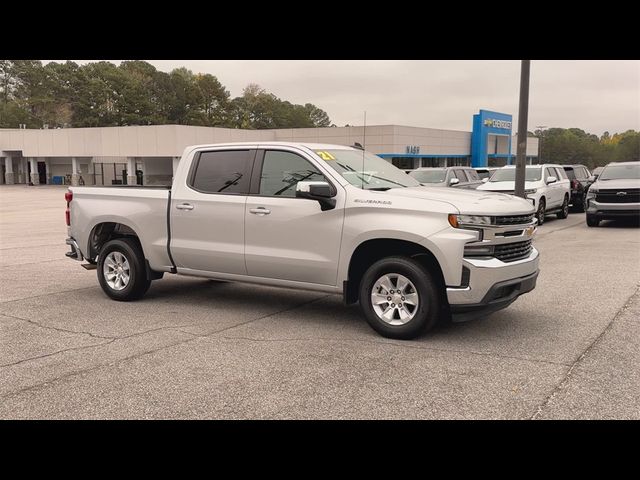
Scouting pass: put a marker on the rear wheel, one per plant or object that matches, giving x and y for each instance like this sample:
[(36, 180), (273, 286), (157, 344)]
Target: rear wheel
[(399, 298), (592, 220), (564, 211), (121, 271), (540, 213)]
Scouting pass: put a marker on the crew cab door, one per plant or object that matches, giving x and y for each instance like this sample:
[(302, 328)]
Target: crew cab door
[(207, 212), (554, 190), (289, 238)]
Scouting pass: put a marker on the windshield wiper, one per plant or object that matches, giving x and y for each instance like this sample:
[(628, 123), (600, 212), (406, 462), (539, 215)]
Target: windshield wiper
[(379, 189)]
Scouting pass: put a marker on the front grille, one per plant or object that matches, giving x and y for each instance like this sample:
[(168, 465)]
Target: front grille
[(627, 195), (513, 251), (513, 219)]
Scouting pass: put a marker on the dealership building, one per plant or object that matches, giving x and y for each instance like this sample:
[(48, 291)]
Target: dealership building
[(148, 155)]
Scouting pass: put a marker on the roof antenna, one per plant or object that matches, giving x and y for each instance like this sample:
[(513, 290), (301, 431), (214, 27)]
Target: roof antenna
[(364, 144)]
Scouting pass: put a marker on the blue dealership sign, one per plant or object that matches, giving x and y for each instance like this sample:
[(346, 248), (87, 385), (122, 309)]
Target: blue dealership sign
[(487, 123)]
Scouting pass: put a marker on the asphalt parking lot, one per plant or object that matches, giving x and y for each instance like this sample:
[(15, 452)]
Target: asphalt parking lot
[(199, 349)]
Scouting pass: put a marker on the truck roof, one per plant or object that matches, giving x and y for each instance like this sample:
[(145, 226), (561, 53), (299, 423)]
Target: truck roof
[(311, 146)]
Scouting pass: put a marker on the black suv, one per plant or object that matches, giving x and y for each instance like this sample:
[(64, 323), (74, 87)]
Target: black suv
[(579, 178)]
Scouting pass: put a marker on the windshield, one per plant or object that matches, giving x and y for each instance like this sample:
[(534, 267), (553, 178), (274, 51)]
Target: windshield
[(614, 172), (429, 176), (365, 170), (509, 175)]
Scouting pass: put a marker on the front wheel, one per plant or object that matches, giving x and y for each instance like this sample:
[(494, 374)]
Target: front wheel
[(592, 221), (564, 211), (121, 271), (399, 298), (540, 212)]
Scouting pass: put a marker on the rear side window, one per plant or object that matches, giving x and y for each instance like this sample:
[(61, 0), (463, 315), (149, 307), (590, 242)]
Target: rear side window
[(549, 172), (571, 173), (460, 175), (581, 173), (561, 173), (227, 172), (473, 175)]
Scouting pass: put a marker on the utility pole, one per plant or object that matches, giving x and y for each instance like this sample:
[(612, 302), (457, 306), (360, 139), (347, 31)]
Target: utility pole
[(523, 113), (541, 128)]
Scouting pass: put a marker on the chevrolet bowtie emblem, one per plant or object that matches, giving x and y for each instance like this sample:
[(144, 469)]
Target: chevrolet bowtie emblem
[(530, 231)]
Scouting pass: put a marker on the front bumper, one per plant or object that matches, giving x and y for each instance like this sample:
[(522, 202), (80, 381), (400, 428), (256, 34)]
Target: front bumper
[(493, 284), (606, 211), (75, 252)]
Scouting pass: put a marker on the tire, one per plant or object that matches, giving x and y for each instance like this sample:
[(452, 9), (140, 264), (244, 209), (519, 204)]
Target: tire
[(126, 252), (540, 213), (423, 287), (592, 221), (564, 212)]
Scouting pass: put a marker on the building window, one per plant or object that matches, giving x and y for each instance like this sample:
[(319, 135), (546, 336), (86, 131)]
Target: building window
[(403, 163), (433, 162)]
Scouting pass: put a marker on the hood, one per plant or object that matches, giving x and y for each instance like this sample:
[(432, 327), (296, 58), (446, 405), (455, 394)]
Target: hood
[(621, 183), (471, 202), (505, 186)]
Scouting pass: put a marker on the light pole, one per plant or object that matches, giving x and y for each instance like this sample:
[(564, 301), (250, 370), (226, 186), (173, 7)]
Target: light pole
[(541, 128), (523, 114)]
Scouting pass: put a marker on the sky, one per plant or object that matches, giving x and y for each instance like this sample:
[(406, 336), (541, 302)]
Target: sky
[(593, 95)]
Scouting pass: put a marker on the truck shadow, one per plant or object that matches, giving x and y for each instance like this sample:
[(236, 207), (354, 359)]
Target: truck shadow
[(281, 313), (633, 222)]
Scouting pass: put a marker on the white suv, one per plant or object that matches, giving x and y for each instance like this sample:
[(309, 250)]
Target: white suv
[(546, 186)]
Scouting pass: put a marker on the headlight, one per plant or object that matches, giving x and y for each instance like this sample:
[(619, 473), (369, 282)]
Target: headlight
[(478, 251), (457, 220), (530, 191), (592, 192)]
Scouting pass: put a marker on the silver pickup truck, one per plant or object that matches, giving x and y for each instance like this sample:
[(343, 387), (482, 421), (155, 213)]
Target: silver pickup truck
[(317, 217)]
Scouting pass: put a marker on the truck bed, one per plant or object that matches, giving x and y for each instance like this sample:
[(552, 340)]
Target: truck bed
[(142, 209)]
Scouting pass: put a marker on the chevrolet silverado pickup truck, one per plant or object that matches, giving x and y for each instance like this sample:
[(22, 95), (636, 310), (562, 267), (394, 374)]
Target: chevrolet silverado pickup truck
[(326, 218)]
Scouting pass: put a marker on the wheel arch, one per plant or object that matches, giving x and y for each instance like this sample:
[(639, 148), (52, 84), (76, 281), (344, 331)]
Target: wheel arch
[(372, 250)]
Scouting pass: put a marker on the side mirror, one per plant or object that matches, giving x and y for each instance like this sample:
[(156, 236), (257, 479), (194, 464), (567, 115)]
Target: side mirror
[(551, 180), (454, 181), (485, 179), (319, 191)]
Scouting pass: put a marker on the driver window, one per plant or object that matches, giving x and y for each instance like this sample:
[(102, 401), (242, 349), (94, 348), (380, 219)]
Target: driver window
[(281, 172)]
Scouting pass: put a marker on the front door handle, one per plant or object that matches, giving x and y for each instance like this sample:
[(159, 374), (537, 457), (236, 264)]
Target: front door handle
[(184, 206), (260, 211)]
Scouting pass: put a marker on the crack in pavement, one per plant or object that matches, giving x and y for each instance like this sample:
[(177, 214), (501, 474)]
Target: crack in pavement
[(58, 329), (47, 294), (110, 339), (30, 263), (148, 352), (56, 353), (394, 344), (538, 235), (582, 356)]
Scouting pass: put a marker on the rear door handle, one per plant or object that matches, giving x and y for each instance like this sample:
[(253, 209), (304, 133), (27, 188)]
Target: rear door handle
[(184, 206), (260, 211)]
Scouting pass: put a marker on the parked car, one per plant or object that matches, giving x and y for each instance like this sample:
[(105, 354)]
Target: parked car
[(485, 172), (579, 177), (325, 218), (546, 186), (458, 177), (596, 173), (616, 193)]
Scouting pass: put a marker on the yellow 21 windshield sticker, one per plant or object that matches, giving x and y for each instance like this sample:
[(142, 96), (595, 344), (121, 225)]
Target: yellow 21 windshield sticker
[(325, 155)]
